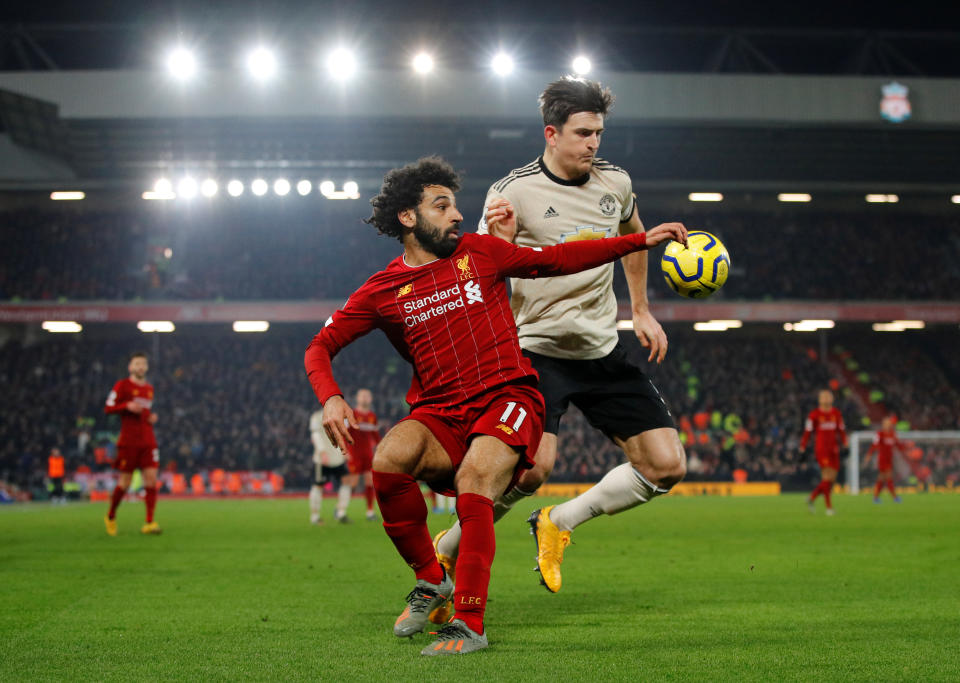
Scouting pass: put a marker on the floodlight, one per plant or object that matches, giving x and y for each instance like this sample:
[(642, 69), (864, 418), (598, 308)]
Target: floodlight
[(209, 187), (341, 64), (187, 188), (581, 65), (61, 326), (262, 64), (304, 187), (234, 188), (351, 188), (423, 63), (705, 197), (155, 326), (67, 196), (327, 188), (281, 187), (259, 187), (181, 64), (251, 326), (163, 186), (502, 64)]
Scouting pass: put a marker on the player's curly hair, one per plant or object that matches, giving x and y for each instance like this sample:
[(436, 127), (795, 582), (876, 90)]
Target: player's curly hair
[(137, 354), (403, 189), (570, 95)]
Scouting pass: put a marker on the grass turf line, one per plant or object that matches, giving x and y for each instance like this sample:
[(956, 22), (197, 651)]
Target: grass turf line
[(684, 589)]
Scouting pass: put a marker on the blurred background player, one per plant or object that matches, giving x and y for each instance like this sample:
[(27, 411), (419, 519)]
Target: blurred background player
[(568, 325), (56, 470), (366, 436), (328, 465), (827, 423), (883, 444), (132, 399)]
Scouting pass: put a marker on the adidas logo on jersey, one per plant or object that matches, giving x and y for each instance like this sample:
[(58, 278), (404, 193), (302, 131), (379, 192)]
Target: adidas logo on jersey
[(551, 213)]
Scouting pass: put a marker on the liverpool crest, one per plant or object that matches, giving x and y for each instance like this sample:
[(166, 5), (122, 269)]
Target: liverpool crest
[(894, 106)]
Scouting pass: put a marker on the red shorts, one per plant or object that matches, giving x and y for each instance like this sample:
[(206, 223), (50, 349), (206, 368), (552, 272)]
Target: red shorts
[(830, 460), (359, 461), (130, 458), (884, 464), (512, 413)]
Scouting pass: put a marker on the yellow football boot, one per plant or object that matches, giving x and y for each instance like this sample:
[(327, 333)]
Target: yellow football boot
[(111, 525), (550, 545), (151, 528), (442, 614)]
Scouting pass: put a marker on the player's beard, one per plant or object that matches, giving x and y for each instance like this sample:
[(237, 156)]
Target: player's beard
[(434, 239)]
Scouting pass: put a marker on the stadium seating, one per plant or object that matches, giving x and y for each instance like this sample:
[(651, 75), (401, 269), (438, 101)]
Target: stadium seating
[(324, 251)]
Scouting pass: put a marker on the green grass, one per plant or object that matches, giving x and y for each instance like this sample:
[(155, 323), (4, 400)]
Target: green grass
[(683, 589)]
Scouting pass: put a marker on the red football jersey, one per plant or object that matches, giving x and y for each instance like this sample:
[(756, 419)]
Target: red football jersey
[(135, 428), (829, 429), (366, 436), (450, 318), (883, 444)]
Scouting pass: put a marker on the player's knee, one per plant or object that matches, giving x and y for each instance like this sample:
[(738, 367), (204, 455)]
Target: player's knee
[(473, 480), (533, 478), (667, 467)]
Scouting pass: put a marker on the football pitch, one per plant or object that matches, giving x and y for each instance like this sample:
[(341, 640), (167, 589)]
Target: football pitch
[(702, 588)]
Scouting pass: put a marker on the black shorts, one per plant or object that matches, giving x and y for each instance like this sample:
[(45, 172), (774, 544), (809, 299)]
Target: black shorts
[(322, 473), (615, 396)]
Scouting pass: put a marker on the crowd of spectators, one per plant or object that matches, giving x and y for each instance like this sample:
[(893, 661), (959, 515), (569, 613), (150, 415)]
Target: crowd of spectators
[(914, 377), (310, 250), (242, 402)]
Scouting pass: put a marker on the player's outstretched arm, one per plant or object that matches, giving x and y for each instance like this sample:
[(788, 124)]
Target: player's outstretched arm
[(573, 257)]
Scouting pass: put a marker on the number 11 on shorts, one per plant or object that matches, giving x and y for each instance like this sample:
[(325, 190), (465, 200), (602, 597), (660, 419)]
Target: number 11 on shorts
[(520, 417)]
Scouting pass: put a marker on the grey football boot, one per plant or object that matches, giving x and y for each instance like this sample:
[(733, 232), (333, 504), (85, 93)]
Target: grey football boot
[(422, 600), (455, 638)]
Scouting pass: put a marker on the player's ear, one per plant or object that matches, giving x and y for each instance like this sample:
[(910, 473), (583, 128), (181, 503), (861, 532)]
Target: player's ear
[(550, 134), (407, 217)]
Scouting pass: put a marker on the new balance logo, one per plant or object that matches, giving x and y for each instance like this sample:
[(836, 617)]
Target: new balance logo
[(472, 290), (551, 213)]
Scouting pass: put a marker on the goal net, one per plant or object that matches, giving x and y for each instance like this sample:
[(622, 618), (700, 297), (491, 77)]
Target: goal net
[(930, 461)]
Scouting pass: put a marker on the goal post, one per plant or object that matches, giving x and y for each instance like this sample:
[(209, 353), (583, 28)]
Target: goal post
[(932, 457)]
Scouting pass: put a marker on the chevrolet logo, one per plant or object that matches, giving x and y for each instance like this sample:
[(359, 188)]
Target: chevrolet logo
[(585, 232)]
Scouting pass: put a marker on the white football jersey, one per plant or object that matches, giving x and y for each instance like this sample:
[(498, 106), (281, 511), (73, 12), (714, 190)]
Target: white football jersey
[(569, 316), (322, 443)]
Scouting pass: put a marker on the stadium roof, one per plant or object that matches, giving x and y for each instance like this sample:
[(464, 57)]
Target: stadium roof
[(678, 37)]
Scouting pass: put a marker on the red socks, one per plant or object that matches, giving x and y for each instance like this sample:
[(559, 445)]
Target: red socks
[(404, 515), (370, 494), (824, 487), (878, 487), (890, 486), (151, 493), (477, 547), (115, 499)]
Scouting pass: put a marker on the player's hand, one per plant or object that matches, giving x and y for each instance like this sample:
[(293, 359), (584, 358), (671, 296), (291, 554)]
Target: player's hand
[(152, 419), (134, 407), (501, 220), (666, 232), (650, 334), (337, 415)]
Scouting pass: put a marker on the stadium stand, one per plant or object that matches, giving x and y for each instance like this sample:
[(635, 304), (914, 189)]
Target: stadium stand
[(325, 252)]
